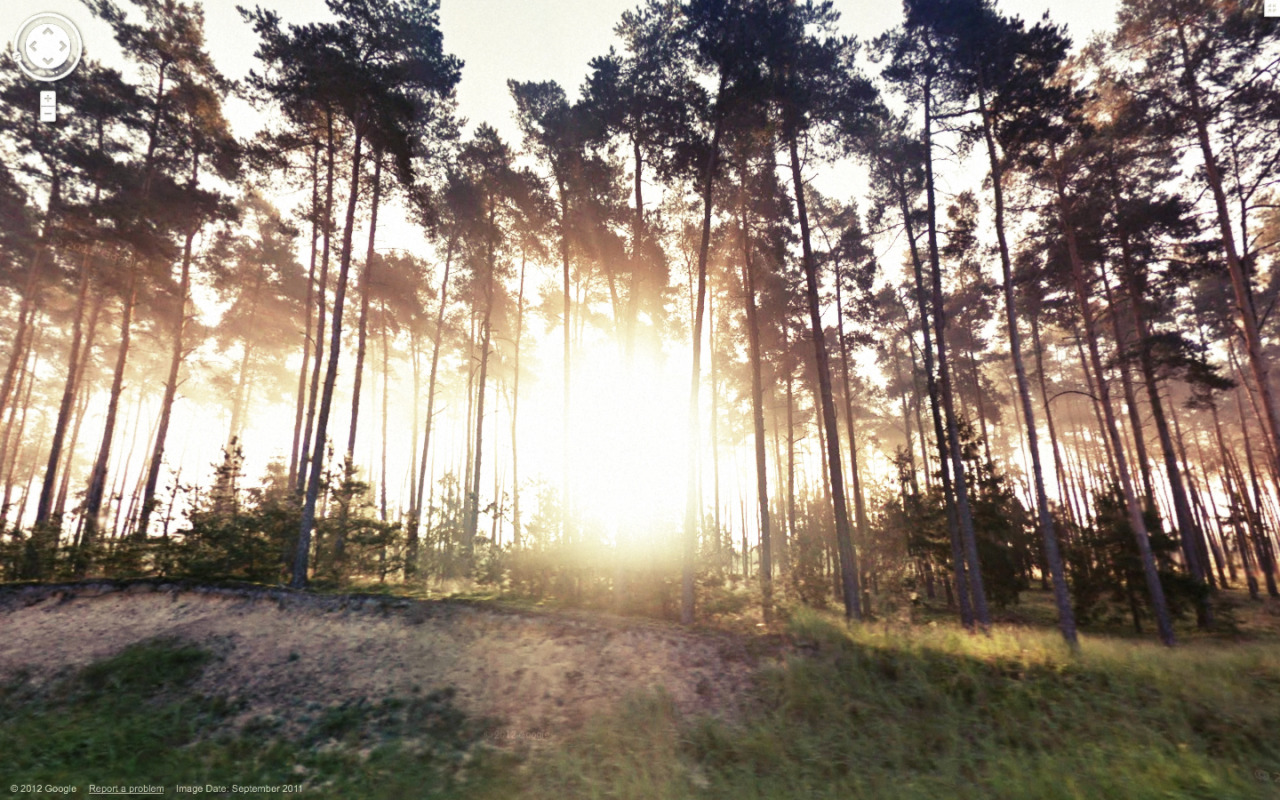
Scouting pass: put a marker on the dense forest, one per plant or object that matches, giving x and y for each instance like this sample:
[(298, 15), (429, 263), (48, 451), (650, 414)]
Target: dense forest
[(758, 310)]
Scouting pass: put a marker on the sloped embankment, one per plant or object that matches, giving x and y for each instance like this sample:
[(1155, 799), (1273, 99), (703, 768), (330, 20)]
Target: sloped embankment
[(541, 674)]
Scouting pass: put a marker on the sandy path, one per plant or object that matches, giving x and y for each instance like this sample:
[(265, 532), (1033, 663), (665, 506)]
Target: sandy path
[(542, 674)]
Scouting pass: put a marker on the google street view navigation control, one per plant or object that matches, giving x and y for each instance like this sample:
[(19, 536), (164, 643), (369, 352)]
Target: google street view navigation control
[(47, 47)]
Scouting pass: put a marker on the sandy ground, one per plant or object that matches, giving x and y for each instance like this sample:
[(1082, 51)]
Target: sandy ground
[(541, 674)]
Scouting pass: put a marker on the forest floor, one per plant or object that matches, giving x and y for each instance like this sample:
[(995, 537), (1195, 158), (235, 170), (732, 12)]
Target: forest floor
[(168, 684)]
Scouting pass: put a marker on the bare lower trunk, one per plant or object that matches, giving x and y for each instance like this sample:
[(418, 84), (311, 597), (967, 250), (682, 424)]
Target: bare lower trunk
[(1160, 608), (363, 326), (302, 556), (301, 403), (844, 536), (170, 392), (757, 417), (309, 429), (98, 479), (411, 554), (1049, 536), (691, 514), (44, 508)]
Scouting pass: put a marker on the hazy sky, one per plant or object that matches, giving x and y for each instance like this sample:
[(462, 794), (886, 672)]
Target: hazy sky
[(502, 39)]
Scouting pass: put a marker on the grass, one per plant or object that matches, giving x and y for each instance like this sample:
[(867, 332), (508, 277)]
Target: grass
[(877, 711), (924, 712), (136, 719)]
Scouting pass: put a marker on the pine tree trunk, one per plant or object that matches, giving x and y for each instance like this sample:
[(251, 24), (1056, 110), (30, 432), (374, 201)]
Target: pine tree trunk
[(44, 507), (844, 536), (1189, 533), (1246, 315), (170, 392), (411, 551), (300, 405), (757, 416), (386, 389), (82, 407), (309, 429), (486, 329), (1164, 623), (1049, 537), (515, 414), (691, 513), (948, 439), (302, 556), (363, 327), (98, 478)]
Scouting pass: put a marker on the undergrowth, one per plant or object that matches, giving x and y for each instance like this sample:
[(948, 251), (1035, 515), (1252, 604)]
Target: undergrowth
[(873, 711)]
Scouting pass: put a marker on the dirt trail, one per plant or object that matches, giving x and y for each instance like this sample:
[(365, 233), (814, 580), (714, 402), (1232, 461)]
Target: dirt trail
[(541, 673)]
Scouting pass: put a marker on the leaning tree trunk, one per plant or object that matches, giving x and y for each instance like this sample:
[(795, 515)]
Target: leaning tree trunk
[(844, 535), (98, 478), (302, 557), (1049, 536), (1247, 317), (855, 474), (959, 573), (1189, 531), (363, 327), (411, 546), (44, 507), (1159, 607), (308, 428), (170, 392)]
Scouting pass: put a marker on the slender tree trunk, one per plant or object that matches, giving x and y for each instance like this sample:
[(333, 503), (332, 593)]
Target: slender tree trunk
[(1064, 488), (363, 328), (44, 508), (1049, 537), (844, 536), (964, 516), (98, 479), (1246, 315), (1189, 533), (300, 406), (170, 391), (386, 388), (82, 406), (309, 429), (1161, 609), (1261, 545), (411, 553), (855, 474), (757, 415), (691, 514), (302, 557), (515, 413), (565, 499), (486, 329)]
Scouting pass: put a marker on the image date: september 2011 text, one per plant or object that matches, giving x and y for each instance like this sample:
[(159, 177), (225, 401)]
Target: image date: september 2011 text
[(213, 788)]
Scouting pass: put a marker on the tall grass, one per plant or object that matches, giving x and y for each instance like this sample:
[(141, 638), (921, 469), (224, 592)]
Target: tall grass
[(926, 713)]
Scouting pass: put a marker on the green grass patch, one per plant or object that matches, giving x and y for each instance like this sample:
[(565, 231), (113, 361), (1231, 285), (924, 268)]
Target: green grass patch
[(136, 718)]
